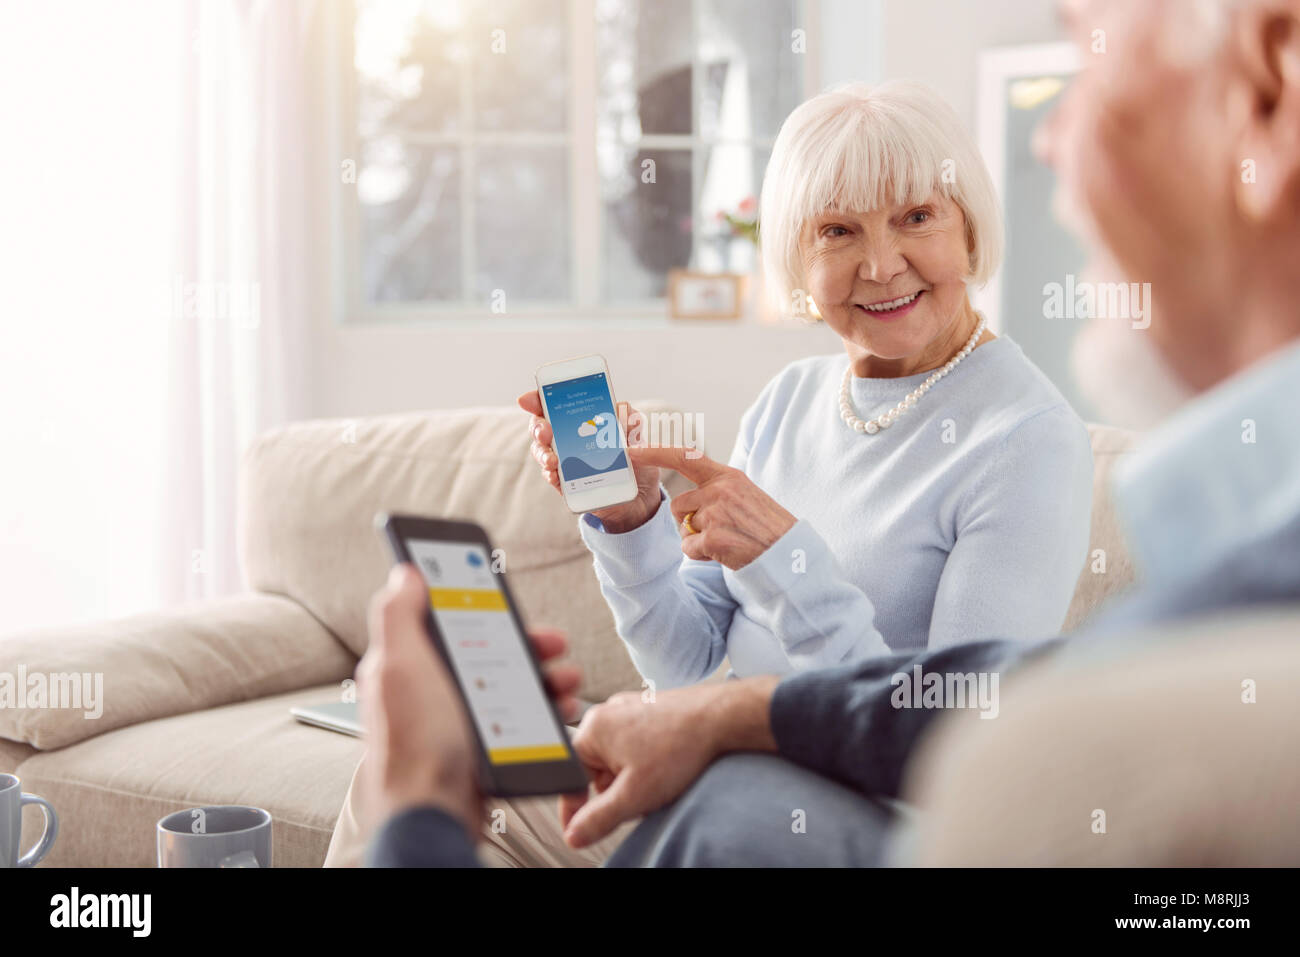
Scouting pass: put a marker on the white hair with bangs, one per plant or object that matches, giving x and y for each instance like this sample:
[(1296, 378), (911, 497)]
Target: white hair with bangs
[(858, 148)]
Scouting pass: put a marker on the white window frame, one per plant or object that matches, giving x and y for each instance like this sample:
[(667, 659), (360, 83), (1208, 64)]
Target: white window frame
[(996, 69), (586, 219)]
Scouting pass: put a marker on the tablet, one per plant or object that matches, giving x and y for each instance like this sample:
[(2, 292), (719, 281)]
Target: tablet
[(340, 716)]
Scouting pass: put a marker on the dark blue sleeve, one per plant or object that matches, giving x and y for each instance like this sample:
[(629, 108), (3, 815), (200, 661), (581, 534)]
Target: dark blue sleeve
[(421, 837), (842, 723)]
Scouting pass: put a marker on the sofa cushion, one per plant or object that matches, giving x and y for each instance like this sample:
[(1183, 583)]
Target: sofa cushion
[(309, 493), (160, 663), (12, 754), (111, 791), (1108, 569)]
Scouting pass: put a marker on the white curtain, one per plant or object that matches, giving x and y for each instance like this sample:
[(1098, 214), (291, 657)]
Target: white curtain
[(244, 281), (159, 273)]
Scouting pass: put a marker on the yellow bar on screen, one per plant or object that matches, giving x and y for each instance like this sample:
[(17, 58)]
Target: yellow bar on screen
[(467, 599), (539, 752)]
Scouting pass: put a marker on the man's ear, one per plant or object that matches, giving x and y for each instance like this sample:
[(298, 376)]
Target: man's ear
[(1266, 38)]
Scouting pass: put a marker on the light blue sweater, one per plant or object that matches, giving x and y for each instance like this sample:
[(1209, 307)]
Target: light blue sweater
[(967, 519)]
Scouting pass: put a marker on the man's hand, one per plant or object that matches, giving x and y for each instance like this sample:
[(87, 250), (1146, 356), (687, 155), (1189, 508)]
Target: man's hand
[(419, 745), (643, 753), (732, 520)]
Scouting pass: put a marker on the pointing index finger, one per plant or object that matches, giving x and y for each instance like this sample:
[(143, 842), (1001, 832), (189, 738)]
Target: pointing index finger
[(692, 463)]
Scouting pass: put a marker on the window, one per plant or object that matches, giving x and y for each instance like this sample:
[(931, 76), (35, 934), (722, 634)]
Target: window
[(556, 156)]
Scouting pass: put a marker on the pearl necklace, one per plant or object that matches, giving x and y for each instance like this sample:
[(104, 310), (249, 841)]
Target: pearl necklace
[(886, 419)]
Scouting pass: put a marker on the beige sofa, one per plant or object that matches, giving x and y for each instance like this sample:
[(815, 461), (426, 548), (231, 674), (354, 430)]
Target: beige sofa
[(197, 698)]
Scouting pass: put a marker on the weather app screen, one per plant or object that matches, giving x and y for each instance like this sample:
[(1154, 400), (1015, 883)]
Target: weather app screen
[(586, 432)]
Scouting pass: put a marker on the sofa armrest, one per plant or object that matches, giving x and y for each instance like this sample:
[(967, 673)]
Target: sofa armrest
[(63, 685)]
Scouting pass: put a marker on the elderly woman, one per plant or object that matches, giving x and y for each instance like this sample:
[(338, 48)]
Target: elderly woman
[(925, 486)]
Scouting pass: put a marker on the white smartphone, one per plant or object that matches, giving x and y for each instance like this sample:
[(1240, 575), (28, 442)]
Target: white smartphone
[(578, 402)]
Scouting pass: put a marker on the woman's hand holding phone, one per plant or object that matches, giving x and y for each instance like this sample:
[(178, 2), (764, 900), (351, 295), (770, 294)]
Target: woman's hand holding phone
[(615, 518)]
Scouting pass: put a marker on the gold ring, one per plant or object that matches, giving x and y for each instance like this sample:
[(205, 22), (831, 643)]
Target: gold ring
[(686, 524)]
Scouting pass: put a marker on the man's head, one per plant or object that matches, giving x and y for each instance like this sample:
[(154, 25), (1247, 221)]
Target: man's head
[(1178, 149)]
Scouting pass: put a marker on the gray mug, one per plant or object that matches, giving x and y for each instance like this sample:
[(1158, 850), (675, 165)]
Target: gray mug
[(12, 800), (223, 835)]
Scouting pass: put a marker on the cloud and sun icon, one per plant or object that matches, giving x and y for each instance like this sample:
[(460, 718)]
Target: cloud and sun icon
[(589, 427)]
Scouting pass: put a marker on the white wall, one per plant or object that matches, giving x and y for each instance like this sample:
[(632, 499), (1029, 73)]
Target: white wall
[(711, 368), (937, 41)]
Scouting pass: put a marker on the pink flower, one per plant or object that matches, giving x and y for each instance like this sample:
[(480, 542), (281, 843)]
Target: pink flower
[(747, 204)]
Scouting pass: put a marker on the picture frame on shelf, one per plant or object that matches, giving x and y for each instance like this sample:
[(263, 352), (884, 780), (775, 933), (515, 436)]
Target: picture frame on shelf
[(699, 295)]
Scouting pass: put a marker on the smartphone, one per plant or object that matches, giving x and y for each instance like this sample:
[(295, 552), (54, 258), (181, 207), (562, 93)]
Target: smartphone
[(522, 742), (578, 402)]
